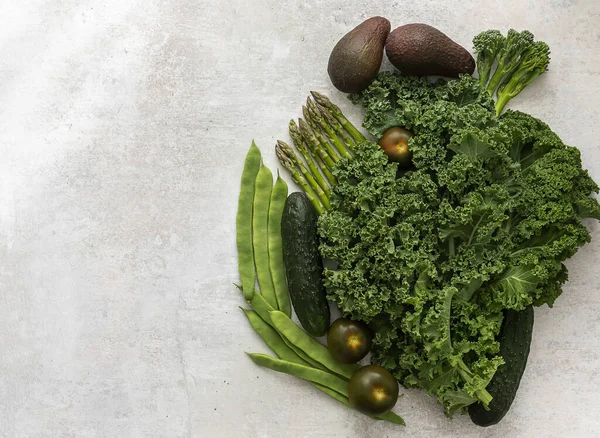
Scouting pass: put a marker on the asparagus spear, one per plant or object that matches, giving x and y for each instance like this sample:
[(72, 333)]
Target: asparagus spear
[(316, 115), (289, 152), (317, 157), (301, 146), (309, 136), (337, 113), (328, 175), (336, 126), (314, 148), (299, 179), (314, 126)]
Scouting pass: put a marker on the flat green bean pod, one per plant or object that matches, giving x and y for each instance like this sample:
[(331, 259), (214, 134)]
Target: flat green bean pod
[(305, 357), (388, 416), (272, 338), (278, 197), (262, 308), (288, 329), (304, 372), (260, 223), (244, 222)]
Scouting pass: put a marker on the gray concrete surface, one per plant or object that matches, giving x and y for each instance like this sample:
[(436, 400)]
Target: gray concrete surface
[(123, 127)]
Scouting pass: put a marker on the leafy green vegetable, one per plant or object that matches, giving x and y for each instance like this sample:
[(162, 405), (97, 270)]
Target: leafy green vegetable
[(519, 60), (431, 257)]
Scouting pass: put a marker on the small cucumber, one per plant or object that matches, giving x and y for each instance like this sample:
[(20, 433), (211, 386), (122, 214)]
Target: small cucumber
[(303, 264), (515, 340)]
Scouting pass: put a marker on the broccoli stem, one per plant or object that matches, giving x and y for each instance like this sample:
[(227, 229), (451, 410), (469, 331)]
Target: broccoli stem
[(503, 99), (495, 81)]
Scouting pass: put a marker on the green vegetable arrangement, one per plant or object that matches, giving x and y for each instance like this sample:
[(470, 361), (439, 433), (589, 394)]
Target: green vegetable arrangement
[(441, 238), (430, 258)]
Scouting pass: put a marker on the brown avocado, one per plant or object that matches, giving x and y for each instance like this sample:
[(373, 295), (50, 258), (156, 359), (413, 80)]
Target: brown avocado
[(421, 50), (356, 58)]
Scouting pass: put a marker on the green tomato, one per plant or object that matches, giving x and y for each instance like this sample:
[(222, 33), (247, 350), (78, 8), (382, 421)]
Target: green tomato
[(394, 143), (348, 341), (373, 390)]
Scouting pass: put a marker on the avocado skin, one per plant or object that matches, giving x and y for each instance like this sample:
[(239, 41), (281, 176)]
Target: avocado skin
[(355, 60), (421, 50)]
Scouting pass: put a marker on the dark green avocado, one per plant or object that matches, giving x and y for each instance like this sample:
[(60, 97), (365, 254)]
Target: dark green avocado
[(421, 50), (355, 60)]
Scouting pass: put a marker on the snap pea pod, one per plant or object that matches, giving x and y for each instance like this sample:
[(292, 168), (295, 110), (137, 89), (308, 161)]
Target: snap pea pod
[(260, 224), (288, 329), (244, 222), (278, 197), (304, 372), (272, 338), (263, 309)]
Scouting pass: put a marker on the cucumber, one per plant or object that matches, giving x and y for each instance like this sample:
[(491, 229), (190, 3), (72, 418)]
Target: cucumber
[(515, 340), (303, 264)]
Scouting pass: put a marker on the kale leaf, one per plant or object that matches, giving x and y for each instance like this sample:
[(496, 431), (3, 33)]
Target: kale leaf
[(431, 257)]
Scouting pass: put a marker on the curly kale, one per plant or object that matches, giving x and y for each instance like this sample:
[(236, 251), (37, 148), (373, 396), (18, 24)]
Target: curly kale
[(431, 258)]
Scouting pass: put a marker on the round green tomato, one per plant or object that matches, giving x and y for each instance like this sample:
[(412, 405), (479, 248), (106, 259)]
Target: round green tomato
[(373, 390), (394, 143), (348, 341)]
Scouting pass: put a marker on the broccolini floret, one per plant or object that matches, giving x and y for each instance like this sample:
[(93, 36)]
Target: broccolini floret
[(533, 63), (517, 58), (487, 44)]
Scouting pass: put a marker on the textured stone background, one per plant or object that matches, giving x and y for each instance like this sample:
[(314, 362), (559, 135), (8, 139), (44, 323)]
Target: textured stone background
[(123, 128)]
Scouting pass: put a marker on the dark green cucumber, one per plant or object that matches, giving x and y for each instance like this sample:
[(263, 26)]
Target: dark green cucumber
[(303, 264), (515, 340)]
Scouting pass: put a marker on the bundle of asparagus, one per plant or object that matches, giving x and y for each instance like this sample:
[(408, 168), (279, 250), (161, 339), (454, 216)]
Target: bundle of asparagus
[(322, 138)]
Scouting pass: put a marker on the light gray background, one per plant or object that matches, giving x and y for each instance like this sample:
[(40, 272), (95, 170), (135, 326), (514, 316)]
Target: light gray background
[(123, 129)]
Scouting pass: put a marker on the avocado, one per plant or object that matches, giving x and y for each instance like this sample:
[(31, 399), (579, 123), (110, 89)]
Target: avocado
[(421, 50), (355, 60)]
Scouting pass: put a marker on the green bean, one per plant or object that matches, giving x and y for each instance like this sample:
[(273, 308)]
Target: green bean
[(392, 417), (288, 329), (388, 416), (280, 346), (278, 197), (260, 306), (333, 394), (244, 222), (304, 372), (305, 357), (272, 338), (260, 224)]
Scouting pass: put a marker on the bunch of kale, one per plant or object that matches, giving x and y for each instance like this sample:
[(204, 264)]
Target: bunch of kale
[(432, 256)]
